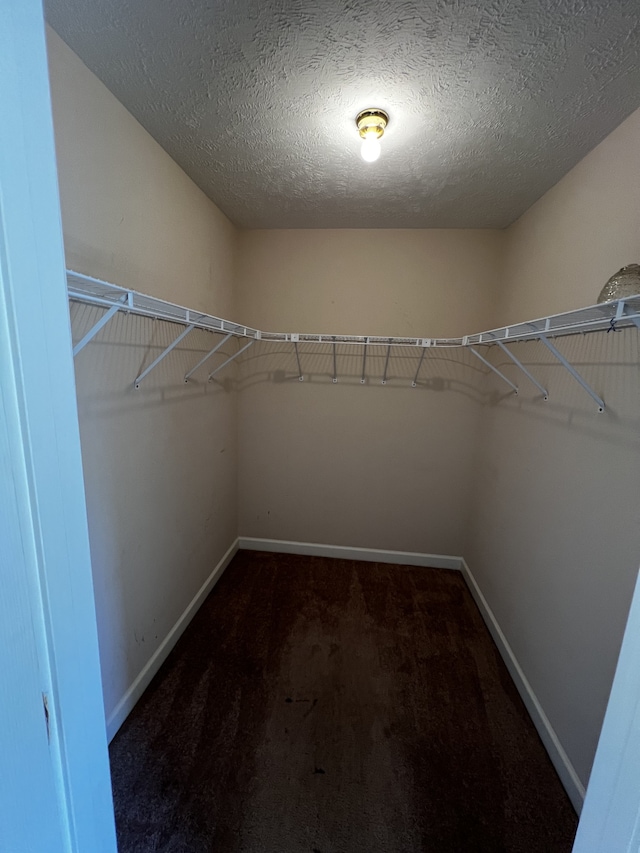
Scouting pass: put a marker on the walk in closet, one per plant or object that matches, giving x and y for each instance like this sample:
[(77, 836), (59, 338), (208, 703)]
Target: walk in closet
[(445, 395)]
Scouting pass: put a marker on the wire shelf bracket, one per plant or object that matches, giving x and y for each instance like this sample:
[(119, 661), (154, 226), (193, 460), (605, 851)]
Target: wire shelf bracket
[(300, 374), (207, 356), (556, 352), (230, 359), (386, 364), (162, 355), (518, 363), (93, 331), (414, 384), (494, 369), (363, 378)]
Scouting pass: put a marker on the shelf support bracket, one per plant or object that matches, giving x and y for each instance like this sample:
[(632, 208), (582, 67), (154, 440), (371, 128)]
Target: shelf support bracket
[(164, 353), (518, 363), (364, 365), (93, 331), (334, 378), (207, 356), (300, 375), (552, 349), (386, 364), (494, 369), (415, 378), (231, 358)]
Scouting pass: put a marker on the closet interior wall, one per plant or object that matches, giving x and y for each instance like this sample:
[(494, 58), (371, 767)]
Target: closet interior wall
[(160, 462), (541, 498), (554, 539), (356, 464)]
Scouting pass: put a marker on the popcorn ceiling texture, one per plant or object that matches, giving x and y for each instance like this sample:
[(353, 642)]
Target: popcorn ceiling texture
[(490, 103)]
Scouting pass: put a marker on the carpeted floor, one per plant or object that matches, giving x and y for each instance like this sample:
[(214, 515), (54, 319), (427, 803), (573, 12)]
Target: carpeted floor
[(331, 706)]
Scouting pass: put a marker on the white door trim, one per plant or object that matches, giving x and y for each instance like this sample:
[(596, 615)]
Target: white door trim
[(610, 819), (42, 483)]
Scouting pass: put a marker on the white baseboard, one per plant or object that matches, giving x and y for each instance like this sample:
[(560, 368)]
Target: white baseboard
[(137, 688), (564, 768), (346, 552)]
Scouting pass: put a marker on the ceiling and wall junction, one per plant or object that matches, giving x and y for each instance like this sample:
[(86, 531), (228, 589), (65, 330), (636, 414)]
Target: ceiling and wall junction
[(490, 102)]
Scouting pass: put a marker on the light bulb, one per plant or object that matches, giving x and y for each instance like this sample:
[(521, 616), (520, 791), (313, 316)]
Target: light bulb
[(370, 150)]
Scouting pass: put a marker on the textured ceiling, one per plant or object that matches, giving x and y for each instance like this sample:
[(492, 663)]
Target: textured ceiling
[(490, 103)]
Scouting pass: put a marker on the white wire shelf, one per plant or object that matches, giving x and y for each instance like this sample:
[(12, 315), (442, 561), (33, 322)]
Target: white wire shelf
[(607, 316), (623, 312), (594, 318), (92, 291)]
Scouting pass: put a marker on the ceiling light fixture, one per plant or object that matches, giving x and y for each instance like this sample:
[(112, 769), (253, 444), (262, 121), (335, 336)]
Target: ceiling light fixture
[(371, 124)]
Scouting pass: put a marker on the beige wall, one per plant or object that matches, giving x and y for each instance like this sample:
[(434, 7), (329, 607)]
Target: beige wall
[(369, 281), (346, 463), (554, 539), (130, 214), (160, 463), (561, 252)]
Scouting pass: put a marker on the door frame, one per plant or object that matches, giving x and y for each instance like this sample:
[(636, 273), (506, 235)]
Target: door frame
[(610, 818), (47, 583)]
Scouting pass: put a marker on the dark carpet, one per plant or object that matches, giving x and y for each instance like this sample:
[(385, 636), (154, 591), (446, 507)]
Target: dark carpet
[(332, 706)]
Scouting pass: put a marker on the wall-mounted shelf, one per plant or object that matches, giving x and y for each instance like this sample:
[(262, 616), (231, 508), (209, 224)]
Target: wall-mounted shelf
[(83, 288), (605, 317)]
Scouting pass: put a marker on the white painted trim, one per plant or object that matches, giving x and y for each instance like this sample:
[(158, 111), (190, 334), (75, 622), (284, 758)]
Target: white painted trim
[(558, 756), (142, 681), (346, 552), (55, 789), (610, 820)]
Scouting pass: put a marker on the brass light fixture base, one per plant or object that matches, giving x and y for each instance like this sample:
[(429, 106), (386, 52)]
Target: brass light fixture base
[(371, 122)]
